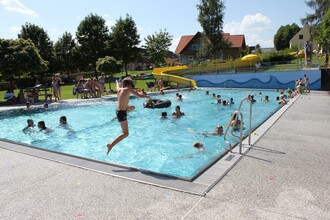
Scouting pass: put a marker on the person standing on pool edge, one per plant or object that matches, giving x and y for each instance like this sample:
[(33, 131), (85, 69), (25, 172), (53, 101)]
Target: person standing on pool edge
[(123, 94)]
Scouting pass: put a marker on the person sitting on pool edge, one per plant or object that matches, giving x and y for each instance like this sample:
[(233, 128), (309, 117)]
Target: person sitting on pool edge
[(29, 127), (218, 131), (123, 95), (177, 112), (282, 101)]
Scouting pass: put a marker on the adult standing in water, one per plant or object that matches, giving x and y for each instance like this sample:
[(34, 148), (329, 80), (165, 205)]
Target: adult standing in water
[(123, 94)]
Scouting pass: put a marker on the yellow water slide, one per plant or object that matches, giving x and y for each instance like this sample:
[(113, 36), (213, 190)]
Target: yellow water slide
[(168, 74)]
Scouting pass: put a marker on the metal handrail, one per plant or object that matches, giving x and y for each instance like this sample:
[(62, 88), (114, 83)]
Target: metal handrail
[(240, 137)]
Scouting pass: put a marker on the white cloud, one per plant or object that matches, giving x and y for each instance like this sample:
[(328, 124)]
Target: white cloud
[(53, 29), (17, 6), (255, 23), (110, 23), (254, 39), (251, 26), (14, 29), (175, 43)]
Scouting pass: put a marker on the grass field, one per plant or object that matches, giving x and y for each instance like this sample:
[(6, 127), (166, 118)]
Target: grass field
[(67, 90)]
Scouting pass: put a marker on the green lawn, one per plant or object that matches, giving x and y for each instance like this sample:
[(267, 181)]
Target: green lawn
[(67, 90)]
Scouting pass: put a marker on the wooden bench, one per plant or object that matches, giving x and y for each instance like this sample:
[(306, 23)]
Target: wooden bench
[(40, 91)]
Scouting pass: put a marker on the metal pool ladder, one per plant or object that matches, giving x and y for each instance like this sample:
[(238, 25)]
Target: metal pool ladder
[(240, 137)]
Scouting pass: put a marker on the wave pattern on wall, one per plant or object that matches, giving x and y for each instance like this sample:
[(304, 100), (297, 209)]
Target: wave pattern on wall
[(271, 83)]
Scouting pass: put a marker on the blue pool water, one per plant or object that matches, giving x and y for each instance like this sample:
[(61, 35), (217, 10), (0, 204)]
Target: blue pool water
[(161, 146)]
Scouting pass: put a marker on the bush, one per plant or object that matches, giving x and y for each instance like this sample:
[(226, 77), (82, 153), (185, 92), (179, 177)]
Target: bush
[(25, 82), (277, 56), (193, 63), (4, 86)]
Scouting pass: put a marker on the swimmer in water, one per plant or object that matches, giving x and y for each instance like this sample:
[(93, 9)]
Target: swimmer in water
[(29, 127), (199, 145)]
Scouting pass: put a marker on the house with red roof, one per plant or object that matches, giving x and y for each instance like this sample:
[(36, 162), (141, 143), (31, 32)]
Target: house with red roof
[(190, 45)]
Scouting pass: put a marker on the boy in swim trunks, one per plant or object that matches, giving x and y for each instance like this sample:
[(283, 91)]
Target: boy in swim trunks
[(123, 94)]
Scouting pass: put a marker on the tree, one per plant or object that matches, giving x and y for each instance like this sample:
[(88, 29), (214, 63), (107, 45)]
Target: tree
[(108, 65), (284, 34), (211, 13), (19, 57), (41, 40), (258, 49), (324, 32), (204, 51), (92, 34), (64, 48), (320, 8), (124, 41), (157, 46)]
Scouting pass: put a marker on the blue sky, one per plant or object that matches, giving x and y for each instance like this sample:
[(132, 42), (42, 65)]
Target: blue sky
[(258, 20)]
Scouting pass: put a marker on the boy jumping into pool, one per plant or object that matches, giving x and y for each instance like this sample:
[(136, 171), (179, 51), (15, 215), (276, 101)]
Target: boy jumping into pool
[(123, 94)]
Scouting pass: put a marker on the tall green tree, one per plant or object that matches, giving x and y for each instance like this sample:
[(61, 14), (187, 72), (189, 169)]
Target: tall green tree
[(41, 40), (211, 13), (20, 57), (157, 46), (64, 48), (324, 32), (284, 34), (92, 34), (125, 40), (320, 8), (258, 49)]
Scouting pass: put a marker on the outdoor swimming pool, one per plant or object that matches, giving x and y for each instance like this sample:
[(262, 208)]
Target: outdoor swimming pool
[(154, 144)]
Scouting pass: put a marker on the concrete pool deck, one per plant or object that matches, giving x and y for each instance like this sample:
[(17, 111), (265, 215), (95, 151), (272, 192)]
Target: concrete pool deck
[(284, 176)]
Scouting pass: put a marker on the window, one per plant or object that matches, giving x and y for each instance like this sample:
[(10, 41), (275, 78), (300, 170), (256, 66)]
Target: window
[(190, 58), (301, 37), (194, 47)]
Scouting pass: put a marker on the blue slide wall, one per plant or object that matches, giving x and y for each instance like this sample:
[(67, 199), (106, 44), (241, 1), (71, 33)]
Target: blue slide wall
[(260, 80)]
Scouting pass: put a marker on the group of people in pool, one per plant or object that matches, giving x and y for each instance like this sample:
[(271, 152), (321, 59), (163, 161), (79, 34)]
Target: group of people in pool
[(42, 125), (222, 102), (177, 113), (126, 88), (235, 121)]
